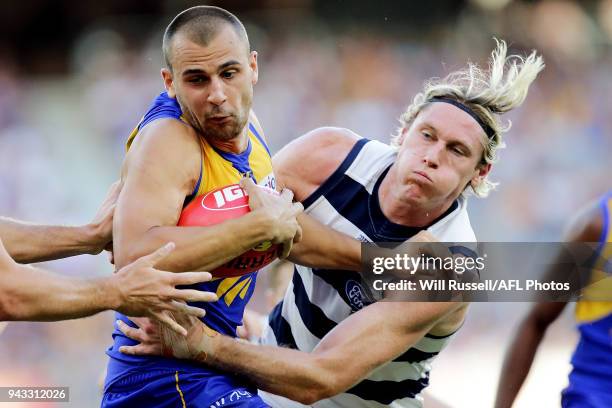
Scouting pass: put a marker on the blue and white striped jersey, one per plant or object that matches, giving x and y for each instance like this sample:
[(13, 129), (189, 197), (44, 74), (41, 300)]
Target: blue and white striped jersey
[(317, 300)]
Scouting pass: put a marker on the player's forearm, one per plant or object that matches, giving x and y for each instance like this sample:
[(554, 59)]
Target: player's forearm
[(517, 362), (291, 373), (323, 247), (29, 293), (27, 242), (199, 248)]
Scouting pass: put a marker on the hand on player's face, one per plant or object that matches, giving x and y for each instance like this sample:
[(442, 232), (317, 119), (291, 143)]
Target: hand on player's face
[(146, 291), (102, 223), (280, 210)]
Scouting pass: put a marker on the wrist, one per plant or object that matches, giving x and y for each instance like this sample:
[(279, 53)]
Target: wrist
[(110, 293), (209, 345), (264, 225), (89, 239)]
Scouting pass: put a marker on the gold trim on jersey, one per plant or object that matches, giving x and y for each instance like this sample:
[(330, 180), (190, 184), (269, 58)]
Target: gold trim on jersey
[(229, 288), (218, 172), (594, 303)]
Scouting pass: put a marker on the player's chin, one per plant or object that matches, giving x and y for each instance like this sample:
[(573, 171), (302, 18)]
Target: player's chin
[(420, 187), (422, 193), (222, 131)]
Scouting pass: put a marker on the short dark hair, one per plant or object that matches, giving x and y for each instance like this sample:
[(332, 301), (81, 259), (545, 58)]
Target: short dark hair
[(201, 24)]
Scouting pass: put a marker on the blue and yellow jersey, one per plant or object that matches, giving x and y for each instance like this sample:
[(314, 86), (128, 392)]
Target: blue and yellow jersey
[(592, 358), (218, 169)]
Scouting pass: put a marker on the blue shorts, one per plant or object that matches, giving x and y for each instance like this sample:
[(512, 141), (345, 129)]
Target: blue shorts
[(179, 389), (573, 397)]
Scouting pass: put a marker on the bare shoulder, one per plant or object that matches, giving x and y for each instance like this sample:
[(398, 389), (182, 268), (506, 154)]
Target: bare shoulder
[(587, 225), (166, 137), (168, 144), (306, 162)]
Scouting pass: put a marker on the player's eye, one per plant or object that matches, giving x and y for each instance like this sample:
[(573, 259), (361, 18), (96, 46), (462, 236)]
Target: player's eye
[(228, 74), (196, 80), (426, 134)]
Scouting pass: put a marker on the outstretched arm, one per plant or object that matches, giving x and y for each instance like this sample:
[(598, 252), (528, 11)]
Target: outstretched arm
[(523, 347), (27, 242), (324, 247), (384, 329), (585, 228), (28, 293)]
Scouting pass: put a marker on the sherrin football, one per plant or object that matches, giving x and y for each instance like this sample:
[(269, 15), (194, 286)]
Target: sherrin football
[(220, 205)]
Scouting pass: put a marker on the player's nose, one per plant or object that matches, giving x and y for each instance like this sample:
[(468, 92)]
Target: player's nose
[(217, 95), (431, 157)]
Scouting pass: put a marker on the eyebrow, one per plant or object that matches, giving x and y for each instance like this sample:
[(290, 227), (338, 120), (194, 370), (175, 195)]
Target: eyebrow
[(194, 71), (452, 141), (468, 151), (228, 64)]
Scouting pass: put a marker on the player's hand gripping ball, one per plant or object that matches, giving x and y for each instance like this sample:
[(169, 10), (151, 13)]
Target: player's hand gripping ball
[(220, 205)]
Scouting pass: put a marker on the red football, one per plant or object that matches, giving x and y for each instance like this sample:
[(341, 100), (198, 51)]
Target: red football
[(220, 205)]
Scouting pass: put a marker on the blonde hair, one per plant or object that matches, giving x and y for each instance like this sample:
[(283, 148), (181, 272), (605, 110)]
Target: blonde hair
[(487, 93)]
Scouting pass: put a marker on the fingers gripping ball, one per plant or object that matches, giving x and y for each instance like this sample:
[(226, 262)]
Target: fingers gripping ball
[(224, 204)]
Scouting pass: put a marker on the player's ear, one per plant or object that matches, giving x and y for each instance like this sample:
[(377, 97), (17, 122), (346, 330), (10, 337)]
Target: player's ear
[(484, 170), (481, 172), (168, 82), (253, 66), (402, 136)]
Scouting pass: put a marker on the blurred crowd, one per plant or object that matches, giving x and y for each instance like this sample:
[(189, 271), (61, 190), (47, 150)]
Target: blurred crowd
[(62, 137)]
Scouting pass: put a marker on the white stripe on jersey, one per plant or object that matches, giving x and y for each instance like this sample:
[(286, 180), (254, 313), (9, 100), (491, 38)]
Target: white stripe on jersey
[(325, 296), (398, 371), (431, 345), (326, 214), (349, 401), (304, 339), (376, 155)]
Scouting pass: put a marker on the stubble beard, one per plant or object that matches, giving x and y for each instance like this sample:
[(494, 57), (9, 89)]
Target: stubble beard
[(225, 132)]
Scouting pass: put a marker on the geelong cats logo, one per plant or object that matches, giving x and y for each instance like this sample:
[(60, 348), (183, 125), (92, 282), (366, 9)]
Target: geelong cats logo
[(355, 295)]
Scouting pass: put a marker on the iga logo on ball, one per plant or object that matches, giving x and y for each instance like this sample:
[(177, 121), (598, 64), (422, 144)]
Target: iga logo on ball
[(226, 198), (224, 204)]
